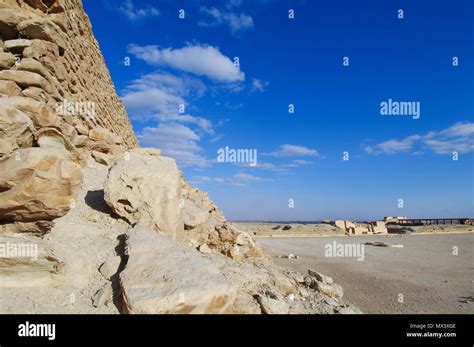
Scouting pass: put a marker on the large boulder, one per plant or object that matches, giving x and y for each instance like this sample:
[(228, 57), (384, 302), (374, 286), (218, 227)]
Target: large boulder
[(144, 188), (163, 276), (37, 184)]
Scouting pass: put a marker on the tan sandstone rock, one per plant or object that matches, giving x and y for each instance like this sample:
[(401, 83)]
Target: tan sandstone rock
[(37, 184), (162, 276), (7, 60), (145, 190), (9, 88), (16, 130), (27, 262)]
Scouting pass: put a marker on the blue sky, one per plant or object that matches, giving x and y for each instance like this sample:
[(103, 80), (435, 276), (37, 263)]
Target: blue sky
[(337, 108)]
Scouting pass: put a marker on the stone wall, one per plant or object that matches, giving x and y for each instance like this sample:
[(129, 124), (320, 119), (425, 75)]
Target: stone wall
[(58, 104), (49, 58)]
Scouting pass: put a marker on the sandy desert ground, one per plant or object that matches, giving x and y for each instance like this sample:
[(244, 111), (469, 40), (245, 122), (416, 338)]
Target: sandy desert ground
[(425, 271)]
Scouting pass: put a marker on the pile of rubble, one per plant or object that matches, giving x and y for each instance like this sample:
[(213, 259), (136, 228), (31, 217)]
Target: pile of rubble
[(351, 228)]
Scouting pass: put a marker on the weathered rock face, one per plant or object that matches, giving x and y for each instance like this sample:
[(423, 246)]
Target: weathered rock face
[(37, 184), (55, 93), (163, 277), (16, 130), (38, 55), (146, 190), (40, 60), (24, 263)]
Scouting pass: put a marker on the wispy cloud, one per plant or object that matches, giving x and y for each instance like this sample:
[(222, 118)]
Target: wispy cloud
[(239, 179), (237, 22), (159, 96), (284, 168), (133, 13), (200, 60), (259, 85), (459, 137), (288, 150), (177, 141)]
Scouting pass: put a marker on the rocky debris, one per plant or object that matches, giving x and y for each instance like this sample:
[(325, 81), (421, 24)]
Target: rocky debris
[(26, 262), (37, 184), (204, 249), (383, 244), (348, 309), (146, 190), (334, 290), (228, 240), (323, 284), (273, 306), (289, 256), (110, 267), (320, 277), (163, 277), (205, 224), (377, 227), (198, 208)]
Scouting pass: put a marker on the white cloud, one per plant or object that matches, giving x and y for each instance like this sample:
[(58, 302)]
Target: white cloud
[(302, 162), (458, 137), (176, 141), (200, 60), (239, 179), (158, 96), (237, 22), (393, 146), (294, 151), (277, 168), (259, 85), (133, 13)]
